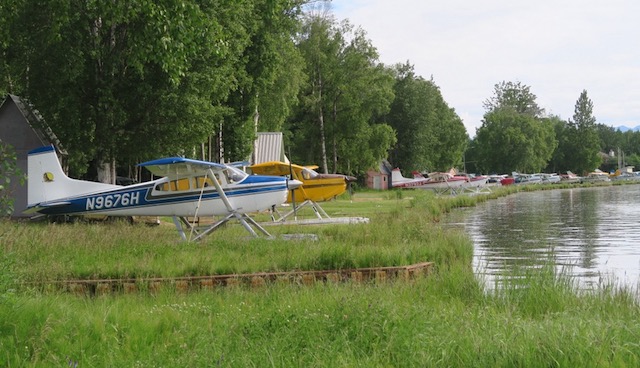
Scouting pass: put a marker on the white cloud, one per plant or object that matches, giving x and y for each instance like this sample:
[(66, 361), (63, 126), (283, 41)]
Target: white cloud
[(557, 47)]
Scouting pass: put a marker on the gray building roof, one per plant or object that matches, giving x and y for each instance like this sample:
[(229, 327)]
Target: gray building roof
[(36, 122), (23, 128)]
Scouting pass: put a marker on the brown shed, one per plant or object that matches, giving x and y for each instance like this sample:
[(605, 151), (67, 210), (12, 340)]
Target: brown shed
[(379, 179)]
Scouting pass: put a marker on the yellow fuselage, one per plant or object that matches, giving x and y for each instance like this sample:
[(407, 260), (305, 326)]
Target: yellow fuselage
[(315, 187), (318, 190)]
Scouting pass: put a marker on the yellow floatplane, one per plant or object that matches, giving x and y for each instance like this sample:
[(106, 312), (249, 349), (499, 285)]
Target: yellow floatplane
[(315, 187)]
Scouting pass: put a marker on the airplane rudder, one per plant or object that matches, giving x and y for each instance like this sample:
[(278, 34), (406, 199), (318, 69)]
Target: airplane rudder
[(43, 170), (396, 175)]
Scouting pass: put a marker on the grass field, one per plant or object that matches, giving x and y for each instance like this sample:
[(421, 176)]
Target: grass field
[(443, 319)]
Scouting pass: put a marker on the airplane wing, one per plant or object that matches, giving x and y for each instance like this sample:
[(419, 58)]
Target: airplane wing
[(175, 167), (239, 164), (274, 168)]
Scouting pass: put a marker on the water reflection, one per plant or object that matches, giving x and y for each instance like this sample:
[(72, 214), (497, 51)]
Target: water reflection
[(592, 233)]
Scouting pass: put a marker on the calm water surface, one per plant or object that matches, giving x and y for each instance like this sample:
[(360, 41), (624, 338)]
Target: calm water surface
[(591, 233)]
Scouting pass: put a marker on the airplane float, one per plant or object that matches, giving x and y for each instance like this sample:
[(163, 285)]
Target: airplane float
[(188, 188), (315, 187)]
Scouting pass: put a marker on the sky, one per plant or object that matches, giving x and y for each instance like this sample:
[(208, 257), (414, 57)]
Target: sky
[(556, 47)]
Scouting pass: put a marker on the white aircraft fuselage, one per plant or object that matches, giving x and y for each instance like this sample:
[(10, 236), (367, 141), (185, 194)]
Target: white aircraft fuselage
[(187, 190)]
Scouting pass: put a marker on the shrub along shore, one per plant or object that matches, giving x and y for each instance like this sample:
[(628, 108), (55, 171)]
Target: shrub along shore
[(444, 319)]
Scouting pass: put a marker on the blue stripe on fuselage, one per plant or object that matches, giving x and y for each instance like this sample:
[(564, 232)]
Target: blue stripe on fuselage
[(176, 197), (105, 201), (141, 196)]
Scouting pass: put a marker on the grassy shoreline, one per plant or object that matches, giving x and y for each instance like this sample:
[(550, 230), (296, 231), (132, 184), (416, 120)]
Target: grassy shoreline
[(445, 319), (397, 235)]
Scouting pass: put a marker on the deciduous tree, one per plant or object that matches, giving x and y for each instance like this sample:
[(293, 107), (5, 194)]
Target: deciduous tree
[(561, 158), (513, 137), (431, 136), (515, 95), (269, 76), (346, 93), (127, 80)]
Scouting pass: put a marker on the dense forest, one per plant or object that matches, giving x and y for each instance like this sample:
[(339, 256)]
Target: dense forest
[(125, 82)]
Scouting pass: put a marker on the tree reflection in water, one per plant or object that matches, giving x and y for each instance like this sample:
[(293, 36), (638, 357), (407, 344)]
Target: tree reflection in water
[(593, 234)]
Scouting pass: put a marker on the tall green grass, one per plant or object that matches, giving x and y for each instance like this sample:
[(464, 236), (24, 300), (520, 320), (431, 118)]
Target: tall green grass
[(445, 319), (441, 320), (399, 233)]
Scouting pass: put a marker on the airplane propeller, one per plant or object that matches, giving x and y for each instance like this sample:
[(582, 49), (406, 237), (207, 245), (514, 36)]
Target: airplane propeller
[(349, 180), (293, 191)]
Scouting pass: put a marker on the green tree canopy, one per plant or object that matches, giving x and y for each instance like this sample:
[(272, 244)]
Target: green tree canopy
[(124, 82), (583, 137), (347, 90), (124, 78), (609, 136), (561, 158), (513, 137), (131, 80), (515, 95), (269, 75), (431, 136)]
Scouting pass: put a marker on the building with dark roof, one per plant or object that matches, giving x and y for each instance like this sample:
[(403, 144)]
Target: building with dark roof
[(23, 128)]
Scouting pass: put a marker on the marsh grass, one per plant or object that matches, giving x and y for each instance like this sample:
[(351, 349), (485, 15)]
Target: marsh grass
[(441, 320), (446, 319), (399, 233)]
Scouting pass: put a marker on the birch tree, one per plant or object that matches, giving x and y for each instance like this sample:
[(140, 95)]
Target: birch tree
[(124, 80), (347, 93)]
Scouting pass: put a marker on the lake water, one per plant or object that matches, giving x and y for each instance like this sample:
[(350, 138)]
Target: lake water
[(590, 233)]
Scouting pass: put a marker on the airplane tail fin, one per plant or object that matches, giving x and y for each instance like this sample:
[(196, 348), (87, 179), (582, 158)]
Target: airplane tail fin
[(47, 181), (396, 176)]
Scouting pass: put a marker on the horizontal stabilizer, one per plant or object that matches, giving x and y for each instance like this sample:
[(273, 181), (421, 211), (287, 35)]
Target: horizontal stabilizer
[(41, 206), (48, 183)]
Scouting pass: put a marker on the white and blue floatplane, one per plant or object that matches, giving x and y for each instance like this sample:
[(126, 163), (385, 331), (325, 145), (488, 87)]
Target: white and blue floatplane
[(187, 188)]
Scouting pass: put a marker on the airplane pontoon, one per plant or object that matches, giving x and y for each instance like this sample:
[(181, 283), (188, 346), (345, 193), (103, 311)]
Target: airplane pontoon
[(315, 187)]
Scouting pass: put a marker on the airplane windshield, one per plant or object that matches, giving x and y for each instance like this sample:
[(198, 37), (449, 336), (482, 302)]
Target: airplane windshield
[(235, 175), (309, 173)]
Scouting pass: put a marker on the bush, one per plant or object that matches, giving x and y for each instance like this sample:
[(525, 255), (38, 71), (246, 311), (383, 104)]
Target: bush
[(8, 170)]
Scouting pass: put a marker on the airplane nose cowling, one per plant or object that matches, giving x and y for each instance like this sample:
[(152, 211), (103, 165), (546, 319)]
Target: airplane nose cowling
[(293, 184)]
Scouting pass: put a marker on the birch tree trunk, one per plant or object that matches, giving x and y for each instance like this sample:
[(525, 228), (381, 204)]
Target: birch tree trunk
[(321, 121), (107, 172)]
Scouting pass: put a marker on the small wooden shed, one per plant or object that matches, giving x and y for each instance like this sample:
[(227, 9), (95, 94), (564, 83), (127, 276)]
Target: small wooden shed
[(23, 128)]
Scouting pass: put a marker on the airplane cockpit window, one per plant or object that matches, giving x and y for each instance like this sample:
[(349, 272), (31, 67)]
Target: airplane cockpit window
[(193, 183), (308, 173), (174, 185), (235, 175), (185, 184), (201, 181)]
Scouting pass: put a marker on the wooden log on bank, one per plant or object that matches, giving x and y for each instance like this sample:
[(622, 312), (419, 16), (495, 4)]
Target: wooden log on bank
[(256, 280)]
